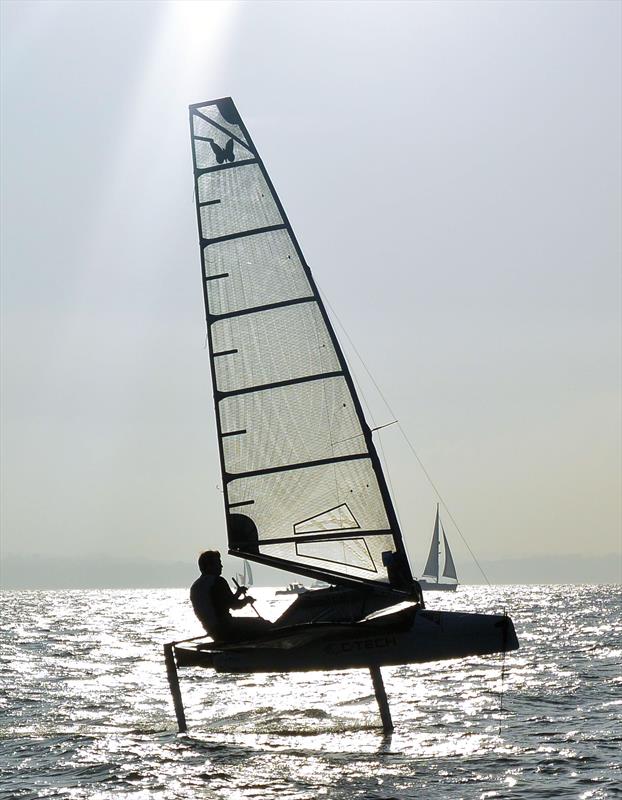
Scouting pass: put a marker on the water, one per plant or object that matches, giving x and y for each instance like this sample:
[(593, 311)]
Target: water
[(86, 710)]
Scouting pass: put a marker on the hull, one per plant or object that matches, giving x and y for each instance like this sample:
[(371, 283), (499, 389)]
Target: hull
[(405, 637), (430, 586)]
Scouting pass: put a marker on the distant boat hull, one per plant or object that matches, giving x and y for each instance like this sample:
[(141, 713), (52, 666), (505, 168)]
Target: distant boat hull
[(403, 637), (294, 589), (432, 586)]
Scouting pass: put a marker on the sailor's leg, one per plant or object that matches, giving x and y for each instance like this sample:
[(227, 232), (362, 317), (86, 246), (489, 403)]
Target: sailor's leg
[(247, 628)]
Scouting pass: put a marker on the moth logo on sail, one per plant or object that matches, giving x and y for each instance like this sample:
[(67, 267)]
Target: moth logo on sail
[(360, 645), (223, 153)]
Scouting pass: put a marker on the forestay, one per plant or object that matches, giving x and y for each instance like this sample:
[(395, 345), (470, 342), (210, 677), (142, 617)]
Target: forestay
[(303, 486)]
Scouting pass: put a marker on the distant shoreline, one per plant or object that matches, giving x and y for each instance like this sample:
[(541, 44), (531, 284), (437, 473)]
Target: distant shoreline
[(104, 572)]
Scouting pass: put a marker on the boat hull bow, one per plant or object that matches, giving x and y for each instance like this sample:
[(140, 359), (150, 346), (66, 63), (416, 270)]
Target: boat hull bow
[(401, 638)]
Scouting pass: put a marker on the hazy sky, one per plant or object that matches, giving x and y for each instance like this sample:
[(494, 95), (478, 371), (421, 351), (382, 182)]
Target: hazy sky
[(453, 173)]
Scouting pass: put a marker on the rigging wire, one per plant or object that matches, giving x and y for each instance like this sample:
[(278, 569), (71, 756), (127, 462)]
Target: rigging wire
[(430, 481), (408, 442), (370, 413)]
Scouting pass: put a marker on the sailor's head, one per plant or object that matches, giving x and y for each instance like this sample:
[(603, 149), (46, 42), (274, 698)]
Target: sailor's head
[(210, 563)]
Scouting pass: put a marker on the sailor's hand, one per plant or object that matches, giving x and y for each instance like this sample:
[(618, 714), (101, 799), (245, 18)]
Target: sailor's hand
[(241, 590)]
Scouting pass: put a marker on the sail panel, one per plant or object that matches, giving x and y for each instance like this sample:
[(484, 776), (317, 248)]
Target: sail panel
[(335, 519), (254, 271), (293, 435), (281, 500), (221, 212), (359, 557), (280, 344)]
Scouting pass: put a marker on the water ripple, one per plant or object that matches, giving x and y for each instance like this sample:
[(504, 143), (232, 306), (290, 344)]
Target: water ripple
[(86, 711)]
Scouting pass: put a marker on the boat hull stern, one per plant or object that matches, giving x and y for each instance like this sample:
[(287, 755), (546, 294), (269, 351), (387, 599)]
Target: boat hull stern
[(402, 638)]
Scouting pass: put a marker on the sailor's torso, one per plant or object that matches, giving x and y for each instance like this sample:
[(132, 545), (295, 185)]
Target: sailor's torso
[(202, 598)]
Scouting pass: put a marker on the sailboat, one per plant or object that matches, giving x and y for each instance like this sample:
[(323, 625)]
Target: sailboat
[(432, 576), (304, 489), (293, 588), (245, 578)]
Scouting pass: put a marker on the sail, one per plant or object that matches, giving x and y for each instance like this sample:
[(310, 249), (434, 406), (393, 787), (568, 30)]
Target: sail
[(303, 485), (449, 571), (431, 565), (248, 574)]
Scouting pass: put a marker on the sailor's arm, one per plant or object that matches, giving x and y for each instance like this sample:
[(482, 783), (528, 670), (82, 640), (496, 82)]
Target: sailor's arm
[(224, 597)]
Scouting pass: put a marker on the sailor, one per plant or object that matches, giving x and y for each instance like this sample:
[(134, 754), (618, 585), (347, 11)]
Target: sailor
[(212, 600)]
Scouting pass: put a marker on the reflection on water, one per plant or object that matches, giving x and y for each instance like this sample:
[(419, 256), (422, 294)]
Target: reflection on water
[(86, 711)]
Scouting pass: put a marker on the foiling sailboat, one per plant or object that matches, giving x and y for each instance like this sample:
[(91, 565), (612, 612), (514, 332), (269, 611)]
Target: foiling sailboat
[(304, 489), (432, 578)]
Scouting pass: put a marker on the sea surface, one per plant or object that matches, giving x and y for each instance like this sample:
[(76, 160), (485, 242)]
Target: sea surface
[(85, 708)]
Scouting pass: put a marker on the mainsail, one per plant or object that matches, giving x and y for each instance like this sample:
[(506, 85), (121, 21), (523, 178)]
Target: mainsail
[(303, 485)]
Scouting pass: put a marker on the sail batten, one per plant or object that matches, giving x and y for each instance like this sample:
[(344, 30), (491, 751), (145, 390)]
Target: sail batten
[(219, 167), (262, 387), (301, 465), (326, 537), (303, 485), (259, 309), (240, 234)]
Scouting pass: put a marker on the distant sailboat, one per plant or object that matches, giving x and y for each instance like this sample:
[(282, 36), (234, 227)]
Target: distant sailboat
[(431, 579), (245, 578), (293, 588)]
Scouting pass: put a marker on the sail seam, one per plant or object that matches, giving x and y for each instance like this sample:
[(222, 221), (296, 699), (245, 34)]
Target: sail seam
[(231, 476), (205, 242), (276, 385), (342, 536), (241, 312), (217, 167)]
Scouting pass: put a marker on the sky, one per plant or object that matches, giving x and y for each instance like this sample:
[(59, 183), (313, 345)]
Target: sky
[(453, 173)]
